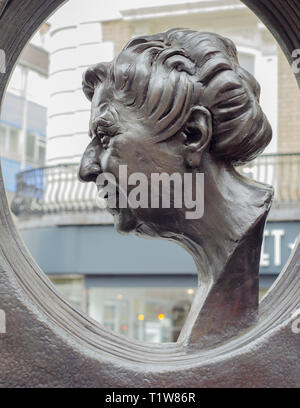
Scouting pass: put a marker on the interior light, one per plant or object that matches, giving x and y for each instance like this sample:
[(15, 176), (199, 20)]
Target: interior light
[(161, 316)]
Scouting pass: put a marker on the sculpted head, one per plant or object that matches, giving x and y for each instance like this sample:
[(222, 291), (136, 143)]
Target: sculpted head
[(173, 102)]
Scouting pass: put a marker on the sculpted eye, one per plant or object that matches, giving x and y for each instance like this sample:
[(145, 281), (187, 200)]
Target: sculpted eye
[(104, 138), (105, 131), (88, 91)]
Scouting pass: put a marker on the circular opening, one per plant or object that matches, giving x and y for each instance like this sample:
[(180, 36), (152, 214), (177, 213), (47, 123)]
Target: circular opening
[(37, 285)]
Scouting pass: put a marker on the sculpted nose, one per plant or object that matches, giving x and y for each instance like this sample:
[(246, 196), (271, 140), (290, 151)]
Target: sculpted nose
[(90, 167)]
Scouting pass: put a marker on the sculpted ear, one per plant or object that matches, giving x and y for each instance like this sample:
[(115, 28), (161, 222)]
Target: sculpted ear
[(198, 133)]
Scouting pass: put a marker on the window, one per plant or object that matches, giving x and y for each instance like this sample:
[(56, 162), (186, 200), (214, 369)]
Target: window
[(9, 142), (41, 152), (2, 140), (30, 147), (109, 315), (154, 315), (14, 141), (72, 288), (35, 149)]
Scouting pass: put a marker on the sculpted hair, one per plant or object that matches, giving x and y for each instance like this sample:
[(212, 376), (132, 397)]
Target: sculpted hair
[(163, 76)]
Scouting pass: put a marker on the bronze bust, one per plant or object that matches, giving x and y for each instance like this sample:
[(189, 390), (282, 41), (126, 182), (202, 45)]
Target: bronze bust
[(51, 344), (179, 102)]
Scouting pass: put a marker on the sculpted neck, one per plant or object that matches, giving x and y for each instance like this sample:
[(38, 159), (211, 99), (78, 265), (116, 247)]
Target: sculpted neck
[(233, 205), (225, 244)]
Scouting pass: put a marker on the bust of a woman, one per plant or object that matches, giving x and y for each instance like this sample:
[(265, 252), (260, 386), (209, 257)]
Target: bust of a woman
[(179, 102)]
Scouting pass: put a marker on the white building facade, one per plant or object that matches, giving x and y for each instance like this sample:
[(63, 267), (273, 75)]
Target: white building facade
[(77, 40)]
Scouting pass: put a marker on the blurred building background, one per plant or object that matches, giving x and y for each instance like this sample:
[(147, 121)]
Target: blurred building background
[(24, 116), (140, 288)]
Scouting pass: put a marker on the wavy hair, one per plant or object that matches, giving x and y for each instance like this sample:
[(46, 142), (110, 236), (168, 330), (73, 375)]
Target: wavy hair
[(163, 76)]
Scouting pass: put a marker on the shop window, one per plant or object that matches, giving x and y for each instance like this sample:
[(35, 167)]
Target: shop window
[(153, 315), (109, 315), (71, 288)]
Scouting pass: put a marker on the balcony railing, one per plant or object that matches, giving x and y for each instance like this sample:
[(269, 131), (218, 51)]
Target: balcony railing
[(282, 171), (56, 189)]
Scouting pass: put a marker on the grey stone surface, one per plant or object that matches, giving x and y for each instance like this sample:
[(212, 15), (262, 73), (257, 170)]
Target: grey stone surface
[(49, 343), (3, 4)]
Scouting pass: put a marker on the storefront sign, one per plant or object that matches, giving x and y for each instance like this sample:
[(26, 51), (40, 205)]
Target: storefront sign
[(279, 240)]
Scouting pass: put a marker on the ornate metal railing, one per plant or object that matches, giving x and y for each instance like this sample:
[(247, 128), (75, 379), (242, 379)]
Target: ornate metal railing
[(57, 189), (52, 190), (281, 171)]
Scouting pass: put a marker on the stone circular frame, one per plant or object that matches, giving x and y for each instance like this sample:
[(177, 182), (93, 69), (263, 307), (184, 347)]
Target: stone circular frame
[(48, 343)]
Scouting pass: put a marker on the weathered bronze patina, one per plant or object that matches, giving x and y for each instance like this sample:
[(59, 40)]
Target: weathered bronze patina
[(49, 343), (179, 102)]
